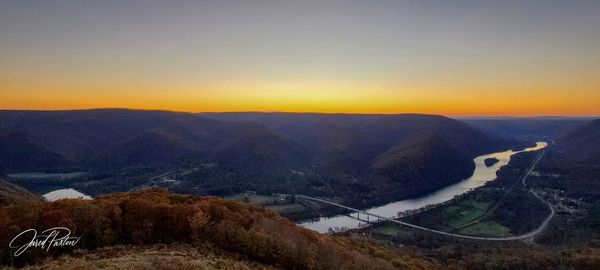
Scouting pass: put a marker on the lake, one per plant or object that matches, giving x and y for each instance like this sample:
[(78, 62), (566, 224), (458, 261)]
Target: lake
[(67, 193), (481, 175)]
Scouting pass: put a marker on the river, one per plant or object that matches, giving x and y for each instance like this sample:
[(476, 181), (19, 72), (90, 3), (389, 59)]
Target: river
[(481, 175)]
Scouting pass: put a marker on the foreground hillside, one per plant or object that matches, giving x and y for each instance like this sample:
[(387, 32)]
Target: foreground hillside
[(192, 231), (159, 257)]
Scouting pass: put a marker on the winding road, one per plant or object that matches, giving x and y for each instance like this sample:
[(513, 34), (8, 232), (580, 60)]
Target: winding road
[(524, 236), (495, 206)]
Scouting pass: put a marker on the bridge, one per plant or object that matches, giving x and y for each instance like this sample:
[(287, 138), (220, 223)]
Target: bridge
[(378, 218)]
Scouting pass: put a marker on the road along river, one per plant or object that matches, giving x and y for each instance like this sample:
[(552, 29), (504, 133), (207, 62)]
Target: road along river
[(481, 175)]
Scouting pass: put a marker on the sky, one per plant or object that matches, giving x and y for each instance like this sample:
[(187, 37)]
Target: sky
[(456, 58)]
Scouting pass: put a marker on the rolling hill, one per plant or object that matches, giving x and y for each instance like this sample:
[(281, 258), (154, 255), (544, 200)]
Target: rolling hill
[(576, 161), (424, 160), (352, 156), (533, 128), (366, 134), (362, 137), (582, 144), (13, 194), (404, 154), (115, 139)]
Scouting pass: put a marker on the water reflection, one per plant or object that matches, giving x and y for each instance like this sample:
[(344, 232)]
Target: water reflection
[(481, 175)]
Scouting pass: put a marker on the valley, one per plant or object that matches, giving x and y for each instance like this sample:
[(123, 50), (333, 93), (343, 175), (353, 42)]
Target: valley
[(562, 236), (482, 175), (332, 155), (299, 135), (430, 189)]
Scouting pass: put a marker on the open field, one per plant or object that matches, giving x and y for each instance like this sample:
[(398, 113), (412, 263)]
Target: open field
[(463, 212), (455, 215), (287, 208), (255, 199), (389, 229), (279, 204), (486, 228)]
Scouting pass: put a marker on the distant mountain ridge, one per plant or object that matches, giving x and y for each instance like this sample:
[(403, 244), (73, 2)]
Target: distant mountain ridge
[(528, 128), (412, 152), (109, 139), (326, 154), (333, 130)]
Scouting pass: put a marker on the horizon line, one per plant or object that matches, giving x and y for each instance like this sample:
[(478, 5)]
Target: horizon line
[(460, 116)]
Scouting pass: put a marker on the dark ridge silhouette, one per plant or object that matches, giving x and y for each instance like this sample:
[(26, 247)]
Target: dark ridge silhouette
[(113, 139), (13, 194), (364, 136), (534, 128), (582, 143), (222, 153), (424, 160)]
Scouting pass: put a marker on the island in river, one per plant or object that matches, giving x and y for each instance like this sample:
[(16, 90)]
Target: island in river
[(480, 177), (491, 161)]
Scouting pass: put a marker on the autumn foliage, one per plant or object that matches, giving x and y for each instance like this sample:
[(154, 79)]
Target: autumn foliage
[(156, 216)]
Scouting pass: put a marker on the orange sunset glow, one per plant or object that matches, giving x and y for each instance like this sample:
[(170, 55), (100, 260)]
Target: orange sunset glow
[(360, 58)]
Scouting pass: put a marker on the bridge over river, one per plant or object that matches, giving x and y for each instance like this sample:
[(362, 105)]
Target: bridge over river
[(375, 218)]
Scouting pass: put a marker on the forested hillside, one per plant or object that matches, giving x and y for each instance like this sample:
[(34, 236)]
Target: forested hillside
[(13, 194), (103, 140), (210, 228), (364, 159)]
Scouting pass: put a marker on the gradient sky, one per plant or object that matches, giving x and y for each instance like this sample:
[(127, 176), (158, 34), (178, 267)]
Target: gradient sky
[(446, 57)]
